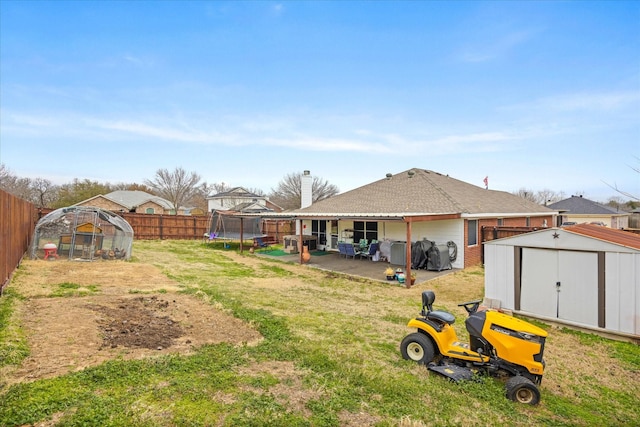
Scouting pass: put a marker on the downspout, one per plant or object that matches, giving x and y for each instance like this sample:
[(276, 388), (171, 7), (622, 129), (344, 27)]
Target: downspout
[(407, 276)]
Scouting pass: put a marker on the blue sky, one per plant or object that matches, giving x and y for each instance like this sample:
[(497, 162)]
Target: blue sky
[(536, 95)]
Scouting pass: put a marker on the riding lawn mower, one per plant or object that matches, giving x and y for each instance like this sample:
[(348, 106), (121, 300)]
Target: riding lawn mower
[(500, 345)]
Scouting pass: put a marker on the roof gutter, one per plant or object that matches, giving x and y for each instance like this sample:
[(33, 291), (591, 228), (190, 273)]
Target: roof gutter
[(392, 216), (506, 215)]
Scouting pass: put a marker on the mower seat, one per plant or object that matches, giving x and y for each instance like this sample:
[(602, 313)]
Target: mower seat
[(441, 316), (428, 297)]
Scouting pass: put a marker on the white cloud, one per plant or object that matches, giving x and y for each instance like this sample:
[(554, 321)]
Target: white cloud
[(482, 51), (137, 61), (166, 133), (265, 131), (319, 143), (277, 9), (589, 101)]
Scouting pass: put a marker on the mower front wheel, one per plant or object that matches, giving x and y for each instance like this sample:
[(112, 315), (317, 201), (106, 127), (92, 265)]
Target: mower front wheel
[(417, 347), (522, 390)]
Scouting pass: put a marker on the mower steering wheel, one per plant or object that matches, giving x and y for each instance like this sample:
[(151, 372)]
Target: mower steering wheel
[(471, 306)]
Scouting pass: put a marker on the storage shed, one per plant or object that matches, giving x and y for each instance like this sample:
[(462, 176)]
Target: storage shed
[(584, 275)]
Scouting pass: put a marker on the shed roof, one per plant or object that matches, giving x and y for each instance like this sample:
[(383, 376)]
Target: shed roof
[(423, 192), (576, 237), (606, 234)]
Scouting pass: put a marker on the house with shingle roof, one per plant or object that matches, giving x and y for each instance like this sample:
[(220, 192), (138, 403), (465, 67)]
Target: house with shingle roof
[(130, 201), (417, 205), (579, 210), (239, 199)]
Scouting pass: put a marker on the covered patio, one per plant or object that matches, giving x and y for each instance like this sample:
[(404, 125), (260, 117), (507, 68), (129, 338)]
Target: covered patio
[(333, 261)]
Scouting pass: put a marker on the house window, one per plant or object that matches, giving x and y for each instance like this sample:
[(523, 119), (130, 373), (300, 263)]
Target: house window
[(472, 235), (528, 221), (149, 211), (500, 222), (365, 230)]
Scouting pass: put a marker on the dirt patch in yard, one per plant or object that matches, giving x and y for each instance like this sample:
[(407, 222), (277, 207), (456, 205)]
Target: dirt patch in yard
[(94, 317)]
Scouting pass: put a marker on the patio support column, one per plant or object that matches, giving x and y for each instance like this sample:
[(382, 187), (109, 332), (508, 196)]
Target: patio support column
[(300, 241), (407, 275)]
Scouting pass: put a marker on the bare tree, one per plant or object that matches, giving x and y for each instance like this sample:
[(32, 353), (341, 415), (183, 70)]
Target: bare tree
[(199, 199), (256, 191), (527, 194), (547, 196), (132, 187), (5, 174), (11, 183), (542, 197), (178, 187), (44, 192), (633, 197), (288, 193), (216, 188)]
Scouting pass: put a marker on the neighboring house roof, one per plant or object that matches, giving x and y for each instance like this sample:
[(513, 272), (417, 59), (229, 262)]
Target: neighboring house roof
[(620, 237), (250, 207), (132, 199), (235, 192), (87, 202), (273, 206), (418, 192), (578, 205)]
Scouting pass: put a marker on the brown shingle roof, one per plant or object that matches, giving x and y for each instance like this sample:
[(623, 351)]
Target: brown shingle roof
[(620, 237), (424, 192)]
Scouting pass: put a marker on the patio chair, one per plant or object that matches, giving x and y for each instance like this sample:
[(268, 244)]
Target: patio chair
[(260, 243), (373, 248), (341, 249), (351, 250)]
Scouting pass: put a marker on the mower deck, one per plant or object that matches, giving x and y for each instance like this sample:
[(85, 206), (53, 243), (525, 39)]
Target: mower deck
[(453, 372)]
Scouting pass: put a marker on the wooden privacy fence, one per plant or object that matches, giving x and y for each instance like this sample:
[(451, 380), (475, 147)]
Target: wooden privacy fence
[(153, 227), (17, 218), (178, 227), (184, 227), (278, 228), (493, 233), (488, 233)]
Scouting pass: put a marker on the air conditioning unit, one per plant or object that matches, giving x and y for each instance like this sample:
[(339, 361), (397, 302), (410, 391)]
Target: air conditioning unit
[(398, 253)]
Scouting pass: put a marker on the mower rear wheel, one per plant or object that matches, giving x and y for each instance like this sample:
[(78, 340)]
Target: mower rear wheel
[(417, 347), (522, 390)]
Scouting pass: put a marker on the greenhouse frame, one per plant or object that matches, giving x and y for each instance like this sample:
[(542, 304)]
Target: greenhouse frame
[(82, 233)]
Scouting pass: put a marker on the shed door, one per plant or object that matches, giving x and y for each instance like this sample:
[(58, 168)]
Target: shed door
[(574, 299)]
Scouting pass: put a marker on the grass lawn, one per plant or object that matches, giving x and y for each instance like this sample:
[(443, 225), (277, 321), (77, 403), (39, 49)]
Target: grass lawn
[(328, 353)]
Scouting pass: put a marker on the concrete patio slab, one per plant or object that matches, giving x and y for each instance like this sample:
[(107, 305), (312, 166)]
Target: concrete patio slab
[(357, 267)]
